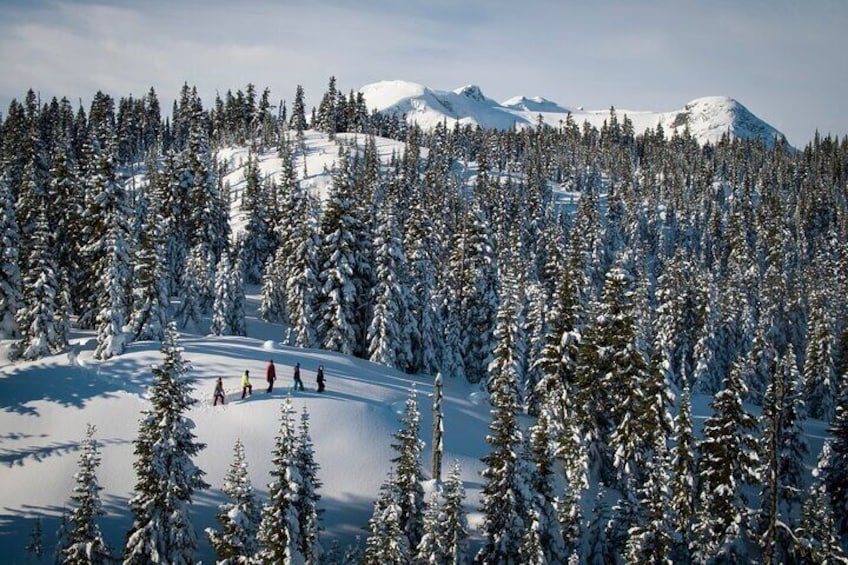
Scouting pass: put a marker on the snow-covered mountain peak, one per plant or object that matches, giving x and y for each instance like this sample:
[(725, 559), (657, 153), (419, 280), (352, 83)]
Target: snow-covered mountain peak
[(534, 104), (471, 91), (707, 119), (710, 117)]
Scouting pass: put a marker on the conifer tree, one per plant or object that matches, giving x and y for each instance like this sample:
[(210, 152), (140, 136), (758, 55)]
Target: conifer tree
[(792, 471), (504, 504), (544, 537), (10, 275), (235, 541), (819, 377), (836, 471), (386, 343), (84, 543), (279, 530), (426, 326), (386, 543), (338, 310), (308, 513), (652, 539), (445, 525), (192, 293), (298, 114), (683, 475), (817, 538), (597, 546), (166, 476), (39, 319), (228, 309), (409, 473), (255, 245), (150, 294), (728, 461)]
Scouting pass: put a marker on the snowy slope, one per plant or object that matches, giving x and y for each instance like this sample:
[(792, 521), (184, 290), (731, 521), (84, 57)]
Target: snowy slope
[(707, 118), (313, 163), (45, 406)]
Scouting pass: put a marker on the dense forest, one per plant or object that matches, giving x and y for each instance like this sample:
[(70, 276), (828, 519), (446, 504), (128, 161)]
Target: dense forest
[(593, 279)]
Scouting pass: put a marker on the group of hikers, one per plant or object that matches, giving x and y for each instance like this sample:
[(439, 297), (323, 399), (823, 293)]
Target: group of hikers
[(270, 377)]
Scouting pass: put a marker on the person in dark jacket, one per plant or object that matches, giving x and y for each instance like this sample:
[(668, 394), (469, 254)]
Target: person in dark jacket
[(270, 375), (298, 384), (219, 392), (319, 377)]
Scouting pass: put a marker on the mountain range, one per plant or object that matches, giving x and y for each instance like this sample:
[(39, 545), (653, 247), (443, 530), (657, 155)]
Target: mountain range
[(707, 118)]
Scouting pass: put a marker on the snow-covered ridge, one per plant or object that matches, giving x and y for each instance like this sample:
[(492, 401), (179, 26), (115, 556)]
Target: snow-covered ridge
[(706, 118)]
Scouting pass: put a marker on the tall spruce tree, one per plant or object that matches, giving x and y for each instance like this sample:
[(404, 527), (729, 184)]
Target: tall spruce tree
[(339, 223), (166, 476), (40, 317), (84, 543), (279, 530), (445, 524), (235, 541), (836, 471), (386, 543), (729, 460), (308, 512), (504, 504), (11, 287), (228, 308), (409, 472)]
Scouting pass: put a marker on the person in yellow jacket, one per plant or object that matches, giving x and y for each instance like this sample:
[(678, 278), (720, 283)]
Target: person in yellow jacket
[(246, 387)]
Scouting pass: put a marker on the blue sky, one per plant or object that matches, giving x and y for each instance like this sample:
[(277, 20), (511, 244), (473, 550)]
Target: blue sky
[(783, 59)]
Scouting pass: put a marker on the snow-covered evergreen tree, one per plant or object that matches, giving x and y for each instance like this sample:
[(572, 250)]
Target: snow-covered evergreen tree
[(819, 378), (386, 343), (409, 473), (10, 274), (728, 461), (228, 308), (682, 480), (817, 538), (308, 513), (386, 544), (149, 282), (238, 517), (302, 283), (84, 542), (426, 331), (504, 504), (836, 471), (255, 245), (192, 291), (339, 224), (166, 476), (445, 525), (543, 539), (280, 527), (39, 319)]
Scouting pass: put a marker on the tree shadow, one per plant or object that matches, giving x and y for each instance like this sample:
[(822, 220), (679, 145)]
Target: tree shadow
[(73, 385), (39, 453)]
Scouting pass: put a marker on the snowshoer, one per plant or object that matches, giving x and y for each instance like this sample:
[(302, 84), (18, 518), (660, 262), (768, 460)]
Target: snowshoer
[(246, 387), (219, 392), (270, 375), (319, 377), (298, 384)]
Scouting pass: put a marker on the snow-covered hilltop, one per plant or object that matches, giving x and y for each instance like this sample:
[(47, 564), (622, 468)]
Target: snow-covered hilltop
[(707, 118)]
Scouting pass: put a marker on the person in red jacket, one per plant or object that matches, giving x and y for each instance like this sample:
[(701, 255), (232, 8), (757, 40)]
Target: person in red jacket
[(270, 375)]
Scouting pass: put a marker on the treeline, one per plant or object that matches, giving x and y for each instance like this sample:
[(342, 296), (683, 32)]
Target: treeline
[(680, 268)]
